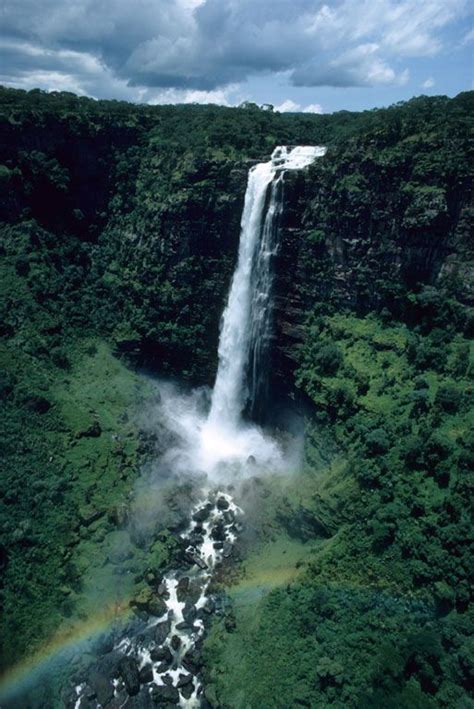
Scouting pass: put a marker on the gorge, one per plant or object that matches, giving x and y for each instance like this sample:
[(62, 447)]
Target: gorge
[(299, 534)]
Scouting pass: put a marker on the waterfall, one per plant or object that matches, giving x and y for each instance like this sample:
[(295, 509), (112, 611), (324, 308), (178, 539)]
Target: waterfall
[(261, 305), (246, 320)]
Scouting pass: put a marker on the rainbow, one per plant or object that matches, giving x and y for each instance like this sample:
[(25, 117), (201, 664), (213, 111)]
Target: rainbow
[(28, 673)]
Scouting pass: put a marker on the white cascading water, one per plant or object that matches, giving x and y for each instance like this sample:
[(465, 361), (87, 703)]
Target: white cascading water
[(238, 325), (261, 311), (228, 397), (220, 446)]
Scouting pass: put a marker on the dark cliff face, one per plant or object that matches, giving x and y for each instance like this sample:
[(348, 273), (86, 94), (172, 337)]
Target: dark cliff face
[(357, 241), (198, 235), (170, 262), (64, 177)]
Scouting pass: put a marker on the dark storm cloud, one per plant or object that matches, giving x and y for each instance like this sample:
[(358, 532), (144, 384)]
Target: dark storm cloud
[(205, 45), (224, 42)]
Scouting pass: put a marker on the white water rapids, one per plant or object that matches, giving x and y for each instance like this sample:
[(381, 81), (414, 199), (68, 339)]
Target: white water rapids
[(220, 446)]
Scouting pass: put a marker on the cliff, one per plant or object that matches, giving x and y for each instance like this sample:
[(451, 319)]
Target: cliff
[(372, 229), (137, 210)]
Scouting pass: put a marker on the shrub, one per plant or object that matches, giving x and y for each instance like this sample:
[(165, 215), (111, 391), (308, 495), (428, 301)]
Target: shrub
[(449, 398), (340, 401), (421, 402), (329, 359), (377, 442), (383, 534)]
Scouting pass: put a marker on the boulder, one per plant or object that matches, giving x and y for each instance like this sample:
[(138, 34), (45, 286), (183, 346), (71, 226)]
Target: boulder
[(162, 590), (129, 672), (193, 592), (162, 667), (194, 558), (222, 503), (203, 513), (146, 674), (162, 631), (187, 690), (175, 642), (192, 661), (183, 626), (189, 612), (195, 539), (182, 588), (229, 516), (165, 695), (161, 654), (218, 532)]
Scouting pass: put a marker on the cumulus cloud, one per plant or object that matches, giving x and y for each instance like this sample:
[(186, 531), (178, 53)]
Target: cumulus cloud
[(360, 66), (289, 106), (222, 97), (429, 83), (313, 108), (468, 38), (143, 49)]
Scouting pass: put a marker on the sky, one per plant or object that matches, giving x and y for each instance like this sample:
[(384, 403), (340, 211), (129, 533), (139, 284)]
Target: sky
[(298, 55)]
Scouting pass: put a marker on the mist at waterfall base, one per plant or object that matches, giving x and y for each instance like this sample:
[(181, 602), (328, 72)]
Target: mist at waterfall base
[(216, 451)]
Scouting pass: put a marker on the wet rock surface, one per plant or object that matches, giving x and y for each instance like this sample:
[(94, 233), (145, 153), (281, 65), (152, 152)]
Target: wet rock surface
[(128, 668), (157, 661)]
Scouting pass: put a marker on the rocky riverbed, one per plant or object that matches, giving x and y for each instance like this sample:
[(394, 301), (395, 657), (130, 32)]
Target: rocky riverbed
[(157, 661)]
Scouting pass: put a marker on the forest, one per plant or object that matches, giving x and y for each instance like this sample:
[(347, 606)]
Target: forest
[(118, 239)]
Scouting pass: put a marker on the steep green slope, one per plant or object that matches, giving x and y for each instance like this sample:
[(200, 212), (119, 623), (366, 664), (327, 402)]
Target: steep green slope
[(69, 460), (380, 615)]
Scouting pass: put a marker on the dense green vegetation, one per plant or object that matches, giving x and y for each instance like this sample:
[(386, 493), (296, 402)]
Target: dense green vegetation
[(380, 614), (118, 237)]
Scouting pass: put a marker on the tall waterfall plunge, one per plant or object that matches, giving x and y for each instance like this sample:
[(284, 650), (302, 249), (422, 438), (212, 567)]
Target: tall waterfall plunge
[(247, 318), (220, 443)]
